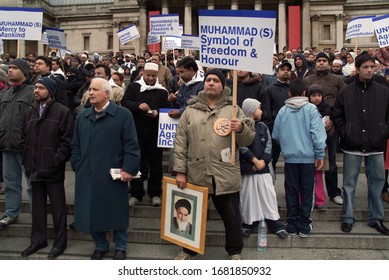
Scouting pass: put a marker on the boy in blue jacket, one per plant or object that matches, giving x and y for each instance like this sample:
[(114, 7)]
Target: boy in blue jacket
[(300, 131)]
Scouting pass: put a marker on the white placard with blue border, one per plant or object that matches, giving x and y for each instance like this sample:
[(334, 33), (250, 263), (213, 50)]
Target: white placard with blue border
[(190, 42), (56, 38), (237, 39), (171, 42), (166, 129), (381, 25), (21, 23), (163, 25), (128, 34), (360, 27), (153, 39)]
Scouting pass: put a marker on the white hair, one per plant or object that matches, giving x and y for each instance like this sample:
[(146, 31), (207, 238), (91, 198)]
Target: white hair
[(105, 85)]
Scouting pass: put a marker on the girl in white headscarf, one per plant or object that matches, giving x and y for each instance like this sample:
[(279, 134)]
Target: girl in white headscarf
[(349, 68)]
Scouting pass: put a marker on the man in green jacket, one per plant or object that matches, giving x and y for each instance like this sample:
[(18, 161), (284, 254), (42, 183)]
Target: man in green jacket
[(202, 155)]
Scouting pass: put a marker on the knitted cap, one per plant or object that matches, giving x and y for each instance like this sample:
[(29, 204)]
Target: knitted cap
[(48, 83), (322, 55), (217, 73), (249, 106), (22, 65), (314, 89)]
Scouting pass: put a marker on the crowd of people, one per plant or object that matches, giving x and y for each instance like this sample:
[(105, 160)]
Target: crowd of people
[(102, 114)]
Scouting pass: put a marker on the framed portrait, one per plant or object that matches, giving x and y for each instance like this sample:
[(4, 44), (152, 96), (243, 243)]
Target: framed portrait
[(184, 215)]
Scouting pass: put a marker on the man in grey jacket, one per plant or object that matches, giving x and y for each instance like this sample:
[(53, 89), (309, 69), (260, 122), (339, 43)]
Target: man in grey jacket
[(14, 101)]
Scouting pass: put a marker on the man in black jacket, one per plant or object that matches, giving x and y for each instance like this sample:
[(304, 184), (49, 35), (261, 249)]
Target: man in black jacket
[(13, 103), (42, 68), (361, 116), (47, 136)]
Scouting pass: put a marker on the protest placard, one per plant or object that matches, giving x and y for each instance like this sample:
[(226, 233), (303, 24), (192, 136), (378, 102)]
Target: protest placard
[(360, 27), (166, 129), (56, 38), (190, 42), (21, 23), (162, 25), (128, 34), (237, 39), (171, 42), (151, 39), (1, 47), (381, 25)]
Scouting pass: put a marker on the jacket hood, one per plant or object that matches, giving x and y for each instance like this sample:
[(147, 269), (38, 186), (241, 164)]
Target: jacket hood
[(200, 101), (251, 80), (296, 102)]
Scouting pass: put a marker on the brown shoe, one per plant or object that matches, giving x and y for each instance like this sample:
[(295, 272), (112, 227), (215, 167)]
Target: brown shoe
[(385, 196)]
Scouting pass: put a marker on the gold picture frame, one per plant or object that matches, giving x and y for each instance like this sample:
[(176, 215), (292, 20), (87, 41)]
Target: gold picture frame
[(190, 233)]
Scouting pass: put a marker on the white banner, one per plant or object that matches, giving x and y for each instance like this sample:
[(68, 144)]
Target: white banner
[(360, 27), (166, 129), (237, 39), (162, 25), (153, 39), (190, 42), (128, 34), (171, 42), (1, 47), (381, 25), (21, 23), (56, 38)]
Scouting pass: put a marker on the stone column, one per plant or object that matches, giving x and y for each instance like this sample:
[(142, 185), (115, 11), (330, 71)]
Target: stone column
[(315, 30), (258, 5), (306, 25), (188, 17), (41, 49), (339, 31), (116, 41), (165, 7), (234, 4), (22, 48), (211, 4), (281, 25), (142, 26)]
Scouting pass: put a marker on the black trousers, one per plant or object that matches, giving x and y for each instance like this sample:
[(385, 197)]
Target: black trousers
[(56, 193), (151, 169), (227, 206)]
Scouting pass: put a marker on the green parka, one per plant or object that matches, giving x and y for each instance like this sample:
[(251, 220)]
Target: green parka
[(197, 148)]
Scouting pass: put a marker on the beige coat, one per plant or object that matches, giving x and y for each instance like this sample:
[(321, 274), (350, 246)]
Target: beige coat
[(197, 148)]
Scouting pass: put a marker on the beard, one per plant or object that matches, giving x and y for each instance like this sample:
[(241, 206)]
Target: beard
[(182, 226)]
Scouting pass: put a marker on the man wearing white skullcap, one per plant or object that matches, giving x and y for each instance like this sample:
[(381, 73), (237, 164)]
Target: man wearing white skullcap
[(144, 98)]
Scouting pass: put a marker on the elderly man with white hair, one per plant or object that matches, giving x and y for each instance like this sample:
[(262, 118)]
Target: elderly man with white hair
[(144, 98)]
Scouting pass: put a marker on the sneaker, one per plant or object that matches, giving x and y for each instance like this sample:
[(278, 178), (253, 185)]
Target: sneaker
[(156, 201), (246, 232), (236, 257), (305, 234), (5, 221), (185, 256), (283, 234), (133, 201), (321, 208), (338, 200)]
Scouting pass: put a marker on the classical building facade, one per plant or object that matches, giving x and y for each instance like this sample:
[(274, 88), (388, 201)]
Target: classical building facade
[(92, 24)]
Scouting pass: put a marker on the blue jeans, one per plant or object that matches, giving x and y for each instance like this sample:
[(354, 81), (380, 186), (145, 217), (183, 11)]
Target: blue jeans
[(13, 171), (375, 173), (120, 238)]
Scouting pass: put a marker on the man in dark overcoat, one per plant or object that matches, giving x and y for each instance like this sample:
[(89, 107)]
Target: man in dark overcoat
[(104, 138)]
